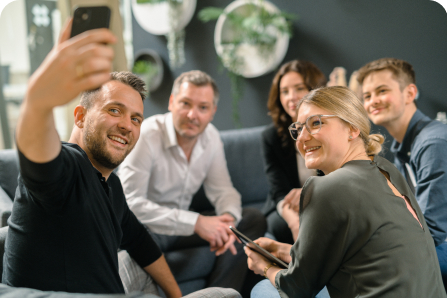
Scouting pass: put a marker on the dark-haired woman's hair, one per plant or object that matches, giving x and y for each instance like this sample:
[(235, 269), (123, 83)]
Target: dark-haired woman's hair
[(312, 77)]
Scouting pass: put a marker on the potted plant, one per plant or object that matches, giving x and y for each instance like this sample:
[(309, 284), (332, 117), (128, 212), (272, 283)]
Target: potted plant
[(251, 39), (167, 17), (149, 66)]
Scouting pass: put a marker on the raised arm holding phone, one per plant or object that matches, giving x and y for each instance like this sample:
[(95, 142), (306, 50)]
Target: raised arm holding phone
[(70, 215), (73, 65)]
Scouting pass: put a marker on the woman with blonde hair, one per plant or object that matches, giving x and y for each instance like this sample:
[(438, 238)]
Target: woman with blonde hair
[(362, 233)]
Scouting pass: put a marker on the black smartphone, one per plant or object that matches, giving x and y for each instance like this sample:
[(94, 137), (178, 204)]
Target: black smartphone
[(255, 247), (90, 17)]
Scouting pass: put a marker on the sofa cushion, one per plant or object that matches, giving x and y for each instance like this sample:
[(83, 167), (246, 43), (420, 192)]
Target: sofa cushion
[(9, 171)]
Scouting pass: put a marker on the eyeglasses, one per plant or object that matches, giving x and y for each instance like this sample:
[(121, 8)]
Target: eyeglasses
[(313, 124)]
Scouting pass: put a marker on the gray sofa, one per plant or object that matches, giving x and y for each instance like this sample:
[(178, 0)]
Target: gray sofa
[(9, 170), (245, 163)]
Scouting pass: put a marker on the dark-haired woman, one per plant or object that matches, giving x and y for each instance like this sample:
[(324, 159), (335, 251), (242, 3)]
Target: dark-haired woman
[(284, 166)]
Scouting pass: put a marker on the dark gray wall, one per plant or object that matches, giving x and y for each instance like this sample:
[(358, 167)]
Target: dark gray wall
[(330, 33)]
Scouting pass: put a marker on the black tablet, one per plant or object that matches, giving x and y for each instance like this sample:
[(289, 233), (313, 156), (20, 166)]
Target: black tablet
[(255, 247)]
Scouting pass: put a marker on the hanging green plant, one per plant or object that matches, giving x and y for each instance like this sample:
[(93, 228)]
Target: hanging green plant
[(147, 71), (250, 26), (175, 38)]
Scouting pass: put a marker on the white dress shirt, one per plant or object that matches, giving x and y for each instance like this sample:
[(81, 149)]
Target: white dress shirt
[(159, 182)]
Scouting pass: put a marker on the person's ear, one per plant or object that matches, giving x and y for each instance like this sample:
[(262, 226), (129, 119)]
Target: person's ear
[(80, 115), (171, 103), (215, 108), (410, 92), (353, 133)]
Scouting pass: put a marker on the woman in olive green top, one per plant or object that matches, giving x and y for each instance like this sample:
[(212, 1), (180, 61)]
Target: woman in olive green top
[(361, 231)]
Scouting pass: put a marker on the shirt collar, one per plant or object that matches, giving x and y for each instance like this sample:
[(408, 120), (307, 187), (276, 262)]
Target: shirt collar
[(404, 148), (170, 139)]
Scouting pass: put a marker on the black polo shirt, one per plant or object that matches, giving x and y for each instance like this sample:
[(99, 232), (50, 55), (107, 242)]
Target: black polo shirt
[(66, 226)]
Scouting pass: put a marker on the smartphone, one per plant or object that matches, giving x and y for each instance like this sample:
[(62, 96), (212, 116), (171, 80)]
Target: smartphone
[(90, 17), (255, 247)]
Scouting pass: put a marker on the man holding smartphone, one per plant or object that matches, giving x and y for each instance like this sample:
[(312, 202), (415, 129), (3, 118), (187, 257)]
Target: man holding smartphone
[(70, 215)]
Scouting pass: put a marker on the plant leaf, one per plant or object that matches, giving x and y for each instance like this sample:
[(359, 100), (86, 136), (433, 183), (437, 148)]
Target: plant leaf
[(210, 13)]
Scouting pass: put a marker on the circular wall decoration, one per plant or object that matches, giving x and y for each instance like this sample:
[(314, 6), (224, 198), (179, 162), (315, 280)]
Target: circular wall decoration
[(154, 18), (253, 63), (152, 57)]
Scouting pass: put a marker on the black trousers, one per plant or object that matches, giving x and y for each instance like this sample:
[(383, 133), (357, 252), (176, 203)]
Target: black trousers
[(278, 227), (229, 270)]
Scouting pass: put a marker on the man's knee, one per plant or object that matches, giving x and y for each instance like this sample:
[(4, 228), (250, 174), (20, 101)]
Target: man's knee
[(133, 277), (215, 292)]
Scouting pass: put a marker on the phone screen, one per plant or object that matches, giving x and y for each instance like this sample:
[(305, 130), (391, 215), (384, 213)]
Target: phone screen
[(90, 17)]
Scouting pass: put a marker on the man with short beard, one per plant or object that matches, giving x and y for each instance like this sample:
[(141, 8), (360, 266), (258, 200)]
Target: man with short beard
[(70, 215)]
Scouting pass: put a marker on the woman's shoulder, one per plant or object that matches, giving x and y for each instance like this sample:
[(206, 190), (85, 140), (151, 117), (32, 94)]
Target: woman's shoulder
[(385, 165), (338, 185), (321, 185), (324, 196)]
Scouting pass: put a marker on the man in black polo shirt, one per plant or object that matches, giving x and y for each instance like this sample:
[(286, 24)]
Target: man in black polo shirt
[(70, 215)]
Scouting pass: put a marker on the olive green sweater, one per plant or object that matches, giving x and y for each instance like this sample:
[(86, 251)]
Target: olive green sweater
[(359, 239)]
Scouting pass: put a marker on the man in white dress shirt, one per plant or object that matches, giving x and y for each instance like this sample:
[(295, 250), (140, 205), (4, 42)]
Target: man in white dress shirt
[(177, 153)]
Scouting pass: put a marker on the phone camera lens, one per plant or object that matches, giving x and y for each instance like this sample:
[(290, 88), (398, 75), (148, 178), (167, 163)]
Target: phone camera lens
[(85, 16)]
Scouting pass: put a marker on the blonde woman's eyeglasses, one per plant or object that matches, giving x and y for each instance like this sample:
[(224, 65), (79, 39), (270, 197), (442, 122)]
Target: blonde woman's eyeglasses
[(313, 124)]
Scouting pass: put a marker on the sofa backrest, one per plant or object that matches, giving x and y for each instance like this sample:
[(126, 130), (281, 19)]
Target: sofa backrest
[(244, 160), (9, 171), (242, 148), (245, 163)]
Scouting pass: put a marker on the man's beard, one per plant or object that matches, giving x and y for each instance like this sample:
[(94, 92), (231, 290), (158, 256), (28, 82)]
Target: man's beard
[(98, 148), (184, 134)]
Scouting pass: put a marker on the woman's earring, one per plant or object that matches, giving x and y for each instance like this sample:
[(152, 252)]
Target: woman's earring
[(350, 137)]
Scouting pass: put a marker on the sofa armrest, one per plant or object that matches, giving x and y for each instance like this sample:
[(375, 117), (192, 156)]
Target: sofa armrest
[(5, 207), (9, 171)]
